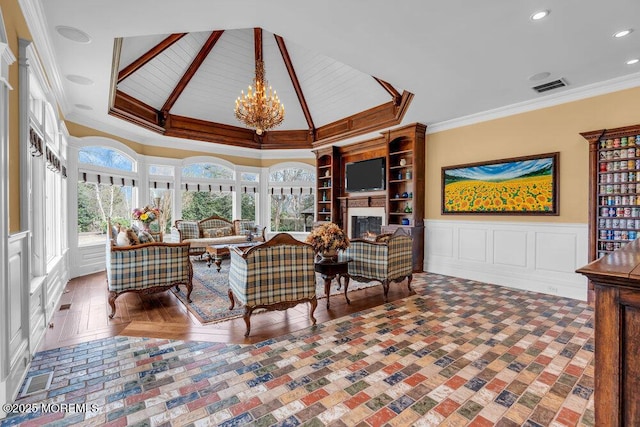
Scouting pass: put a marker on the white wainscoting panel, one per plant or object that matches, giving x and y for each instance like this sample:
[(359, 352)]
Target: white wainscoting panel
[(87, 260), (510, 248), (555, 251), (540, 257), (472, 244)]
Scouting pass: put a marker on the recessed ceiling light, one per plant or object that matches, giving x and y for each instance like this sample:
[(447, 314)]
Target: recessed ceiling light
[(633, 61), (73, 34), (539, 76), (539, 15), (79, 79), (623, 33), (84, 107)]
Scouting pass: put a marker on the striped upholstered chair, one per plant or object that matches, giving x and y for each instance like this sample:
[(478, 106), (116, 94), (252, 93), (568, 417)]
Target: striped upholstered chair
[(274, 275), (386, 259)]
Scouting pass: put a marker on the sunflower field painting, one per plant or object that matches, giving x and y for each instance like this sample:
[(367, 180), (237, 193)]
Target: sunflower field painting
[(523, 185)]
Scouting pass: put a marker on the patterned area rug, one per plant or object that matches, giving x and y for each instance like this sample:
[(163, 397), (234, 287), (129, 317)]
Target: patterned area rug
[(210, 300)]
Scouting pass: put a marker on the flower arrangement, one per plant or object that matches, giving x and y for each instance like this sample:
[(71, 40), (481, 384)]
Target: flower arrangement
[(146, 214), (328, 237)]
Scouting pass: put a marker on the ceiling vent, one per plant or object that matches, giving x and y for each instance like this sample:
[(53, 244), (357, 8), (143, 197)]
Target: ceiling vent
[(550, 86)]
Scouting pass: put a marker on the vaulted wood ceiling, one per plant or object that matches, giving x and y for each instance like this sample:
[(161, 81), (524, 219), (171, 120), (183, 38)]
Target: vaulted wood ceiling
[(185, 85)]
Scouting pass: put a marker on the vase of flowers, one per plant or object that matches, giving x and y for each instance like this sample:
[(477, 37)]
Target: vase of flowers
[(145, 215), (327, 239)]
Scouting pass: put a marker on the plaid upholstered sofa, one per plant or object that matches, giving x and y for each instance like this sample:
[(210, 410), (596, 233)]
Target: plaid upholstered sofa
[(386, 259), (274, 275), (147, 268), (214, 231)]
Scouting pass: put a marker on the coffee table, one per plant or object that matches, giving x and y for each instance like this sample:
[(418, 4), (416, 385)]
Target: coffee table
[(329, 270), (216, 252)]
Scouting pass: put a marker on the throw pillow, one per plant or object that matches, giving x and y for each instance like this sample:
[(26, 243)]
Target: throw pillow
[(145, 237), (218, 232), (189, 229), (123, 239), (133, 238)]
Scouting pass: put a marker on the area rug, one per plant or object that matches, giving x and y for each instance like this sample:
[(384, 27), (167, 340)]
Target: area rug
[(210, 299)]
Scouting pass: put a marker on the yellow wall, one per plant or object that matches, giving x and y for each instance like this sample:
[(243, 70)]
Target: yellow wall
[(546, 130), (16, 28)]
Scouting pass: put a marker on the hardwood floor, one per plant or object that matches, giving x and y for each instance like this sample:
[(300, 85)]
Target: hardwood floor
[(83, 315)]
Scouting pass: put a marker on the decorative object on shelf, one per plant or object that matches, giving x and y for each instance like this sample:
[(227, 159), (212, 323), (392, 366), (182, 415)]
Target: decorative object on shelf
[(405, 221), (399, 175), (407, 209), (403, 162), (259, 108), (326, 173), (522, 185), (408, 174), (145, 215), (327, 239), (405, 195)]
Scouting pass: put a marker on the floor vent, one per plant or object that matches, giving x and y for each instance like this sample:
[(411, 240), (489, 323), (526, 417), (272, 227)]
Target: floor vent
[(65, 307), (37, 383), (550, 86)]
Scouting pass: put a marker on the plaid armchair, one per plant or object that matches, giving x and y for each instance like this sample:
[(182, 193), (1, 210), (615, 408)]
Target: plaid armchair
[(387, 258), (147, 268), (274, 275)]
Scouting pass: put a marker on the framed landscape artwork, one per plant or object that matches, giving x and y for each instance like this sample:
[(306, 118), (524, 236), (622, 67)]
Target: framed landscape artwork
[(517, 186)]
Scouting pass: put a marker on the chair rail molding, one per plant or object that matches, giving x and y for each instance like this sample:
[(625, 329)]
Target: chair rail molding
[(533, 256)]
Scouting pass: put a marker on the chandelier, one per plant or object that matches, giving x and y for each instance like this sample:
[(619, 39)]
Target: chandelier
[(259, 108)]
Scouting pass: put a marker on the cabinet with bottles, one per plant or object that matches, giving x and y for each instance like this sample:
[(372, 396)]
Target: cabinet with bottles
[(614, 184)]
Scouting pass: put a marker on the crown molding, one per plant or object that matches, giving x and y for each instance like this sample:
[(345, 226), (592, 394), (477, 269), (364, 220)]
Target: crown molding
[(34, 16), (154, 140), (583, 92)]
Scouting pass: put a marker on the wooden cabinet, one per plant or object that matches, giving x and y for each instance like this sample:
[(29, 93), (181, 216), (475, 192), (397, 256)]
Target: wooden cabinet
[(403, 198), (405, 176), (327, 186), (616, 280), (614, 190)]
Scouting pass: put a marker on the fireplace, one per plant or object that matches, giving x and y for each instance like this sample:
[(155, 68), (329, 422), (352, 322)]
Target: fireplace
[(363, 225), (365, 220)]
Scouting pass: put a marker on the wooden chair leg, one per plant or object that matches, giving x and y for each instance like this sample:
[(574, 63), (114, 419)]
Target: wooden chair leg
[(314, 304), (247, 319), (112, 303), (385, 286), (409, 279), (233, 301)]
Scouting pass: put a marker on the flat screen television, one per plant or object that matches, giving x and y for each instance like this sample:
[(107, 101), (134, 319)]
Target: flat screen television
[(365, 175)]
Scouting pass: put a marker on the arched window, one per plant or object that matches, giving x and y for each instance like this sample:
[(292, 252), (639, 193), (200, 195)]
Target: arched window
[(106, 184), (207, 190), (292, 196)]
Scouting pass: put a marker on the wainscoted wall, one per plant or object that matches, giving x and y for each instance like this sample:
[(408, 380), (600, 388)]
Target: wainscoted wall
[(87, 260), (540, 257)]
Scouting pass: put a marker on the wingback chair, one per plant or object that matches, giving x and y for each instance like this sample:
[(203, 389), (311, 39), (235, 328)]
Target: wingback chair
[(386, 259), (274, 275)]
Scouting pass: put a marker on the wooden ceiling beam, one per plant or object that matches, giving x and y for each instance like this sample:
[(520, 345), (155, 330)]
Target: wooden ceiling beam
[(395, 95), (191, 71), (257, 42), (151, 53), (296, 83)]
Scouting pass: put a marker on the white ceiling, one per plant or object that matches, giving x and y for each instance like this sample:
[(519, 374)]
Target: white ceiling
[(461, 59)]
